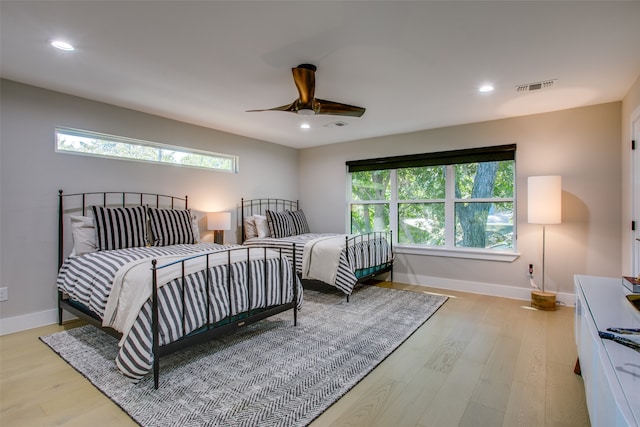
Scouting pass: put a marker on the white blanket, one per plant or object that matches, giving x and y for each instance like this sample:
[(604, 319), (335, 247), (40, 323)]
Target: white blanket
[(321, 258), (132, 284)]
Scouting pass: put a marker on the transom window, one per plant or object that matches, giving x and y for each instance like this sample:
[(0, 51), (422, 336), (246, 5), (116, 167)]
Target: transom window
[(448, 200), (83, 142)]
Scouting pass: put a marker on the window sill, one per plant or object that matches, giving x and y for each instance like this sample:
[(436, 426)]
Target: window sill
[(468, 253)]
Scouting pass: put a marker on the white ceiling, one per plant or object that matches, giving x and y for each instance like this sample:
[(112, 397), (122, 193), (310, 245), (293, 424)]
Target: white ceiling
[(412, 65)]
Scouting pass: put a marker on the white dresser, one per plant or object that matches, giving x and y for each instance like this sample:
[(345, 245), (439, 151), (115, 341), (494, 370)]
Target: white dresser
[(611, 371)]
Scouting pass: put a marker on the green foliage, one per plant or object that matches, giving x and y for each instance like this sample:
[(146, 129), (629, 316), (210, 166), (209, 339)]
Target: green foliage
[(366, 218), (421, 183), (371, 185), (421, 204), (141, 151), (470, 184), (421, 224)]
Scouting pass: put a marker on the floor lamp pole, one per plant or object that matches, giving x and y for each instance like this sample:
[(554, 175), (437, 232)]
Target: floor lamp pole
[(543, 250), (541, 299)]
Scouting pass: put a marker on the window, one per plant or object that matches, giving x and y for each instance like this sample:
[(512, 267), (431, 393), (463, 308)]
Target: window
[(97, 144), (456, 200)]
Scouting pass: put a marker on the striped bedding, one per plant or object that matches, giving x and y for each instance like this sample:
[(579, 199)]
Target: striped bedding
[(88, 280), (363, 255)]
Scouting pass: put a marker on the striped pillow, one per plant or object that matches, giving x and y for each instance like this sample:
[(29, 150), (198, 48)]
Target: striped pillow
[(170, 226), (119, 228), (280, 224), (300, 224)]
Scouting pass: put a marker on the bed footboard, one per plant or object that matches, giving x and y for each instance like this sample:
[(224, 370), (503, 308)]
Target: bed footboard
[(370, 254), (266, 285)]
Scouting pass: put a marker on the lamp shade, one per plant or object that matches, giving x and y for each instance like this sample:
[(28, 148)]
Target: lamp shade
[(219, 221), (545, 199)]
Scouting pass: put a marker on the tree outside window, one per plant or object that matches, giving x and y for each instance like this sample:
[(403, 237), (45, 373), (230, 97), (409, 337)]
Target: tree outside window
[(467, 204), (101, 145)]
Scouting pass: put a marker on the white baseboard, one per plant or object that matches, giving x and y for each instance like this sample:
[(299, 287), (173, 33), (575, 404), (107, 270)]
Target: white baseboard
[(10, 325), (503, 291)]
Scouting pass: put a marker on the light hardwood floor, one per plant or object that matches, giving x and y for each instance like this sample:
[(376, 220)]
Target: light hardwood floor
[(479, 361)]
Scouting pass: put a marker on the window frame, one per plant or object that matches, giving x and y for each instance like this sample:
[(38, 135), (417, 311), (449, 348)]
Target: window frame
[(142, 143), (448, 159)]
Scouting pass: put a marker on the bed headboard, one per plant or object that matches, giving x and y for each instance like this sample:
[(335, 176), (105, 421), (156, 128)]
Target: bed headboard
[(260, 206), (80, 204)]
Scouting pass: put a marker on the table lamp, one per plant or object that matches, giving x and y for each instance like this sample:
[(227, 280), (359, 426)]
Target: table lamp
[(218, 222)]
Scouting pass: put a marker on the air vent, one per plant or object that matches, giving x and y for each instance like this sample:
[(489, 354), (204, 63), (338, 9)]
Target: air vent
[(337, 124), (530, 87)]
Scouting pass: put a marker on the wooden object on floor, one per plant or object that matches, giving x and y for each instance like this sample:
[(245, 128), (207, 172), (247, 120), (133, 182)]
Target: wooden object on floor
[(543, 300)]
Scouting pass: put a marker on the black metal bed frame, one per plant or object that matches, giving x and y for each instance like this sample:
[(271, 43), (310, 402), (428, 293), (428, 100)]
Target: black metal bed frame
[(259, 206), (207, 332)]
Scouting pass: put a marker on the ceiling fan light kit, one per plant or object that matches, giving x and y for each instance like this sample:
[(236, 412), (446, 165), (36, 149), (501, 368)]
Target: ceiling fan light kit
[(307, 104)]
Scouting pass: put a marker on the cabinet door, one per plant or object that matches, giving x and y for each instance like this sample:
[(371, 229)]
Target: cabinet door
[(607, 402), (589, 360)]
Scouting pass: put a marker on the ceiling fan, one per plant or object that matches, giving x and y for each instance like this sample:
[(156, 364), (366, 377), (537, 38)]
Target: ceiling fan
[(305, 80)]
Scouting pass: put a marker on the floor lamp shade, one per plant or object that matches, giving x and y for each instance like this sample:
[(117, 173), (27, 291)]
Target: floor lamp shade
[(218, 222), (545, 200), (544, 207)]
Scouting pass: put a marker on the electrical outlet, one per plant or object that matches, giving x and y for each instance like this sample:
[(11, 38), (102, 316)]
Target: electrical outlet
[(4, 294), (530, 270)]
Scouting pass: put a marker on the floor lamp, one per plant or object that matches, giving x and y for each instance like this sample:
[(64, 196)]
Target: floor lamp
[(545, 207)]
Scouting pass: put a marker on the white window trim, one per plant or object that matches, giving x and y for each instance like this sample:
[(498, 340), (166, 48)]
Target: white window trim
[(440, 251), (468, 253), (107, 137)]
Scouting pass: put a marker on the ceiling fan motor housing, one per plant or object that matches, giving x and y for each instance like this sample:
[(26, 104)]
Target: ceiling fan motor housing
[(308, 67)]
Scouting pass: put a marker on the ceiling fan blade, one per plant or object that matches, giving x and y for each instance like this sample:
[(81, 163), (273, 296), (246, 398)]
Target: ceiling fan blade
[(289, 107), (304, 76), (337, 109)]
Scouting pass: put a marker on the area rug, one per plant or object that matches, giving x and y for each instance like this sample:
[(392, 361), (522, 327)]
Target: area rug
[(268, 374)]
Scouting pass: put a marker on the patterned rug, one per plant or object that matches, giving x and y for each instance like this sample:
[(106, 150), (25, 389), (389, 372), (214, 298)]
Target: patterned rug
[(267, 374)]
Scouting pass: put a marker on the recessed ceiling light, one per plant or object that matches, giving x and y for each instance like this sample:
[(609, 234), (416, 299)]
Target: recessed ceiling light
[(62, 45), (485, 88), (305, 126)]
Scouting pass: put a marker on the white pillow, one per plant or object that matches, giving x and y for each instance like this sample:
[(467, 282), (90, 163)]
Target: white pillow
[(250, 230), (262, 226), (83, 231), (196, 229)]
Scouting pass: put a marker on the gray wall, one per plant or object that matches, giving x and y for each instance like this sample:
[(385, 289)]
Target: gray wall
[(32, 172), (582, 145)]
